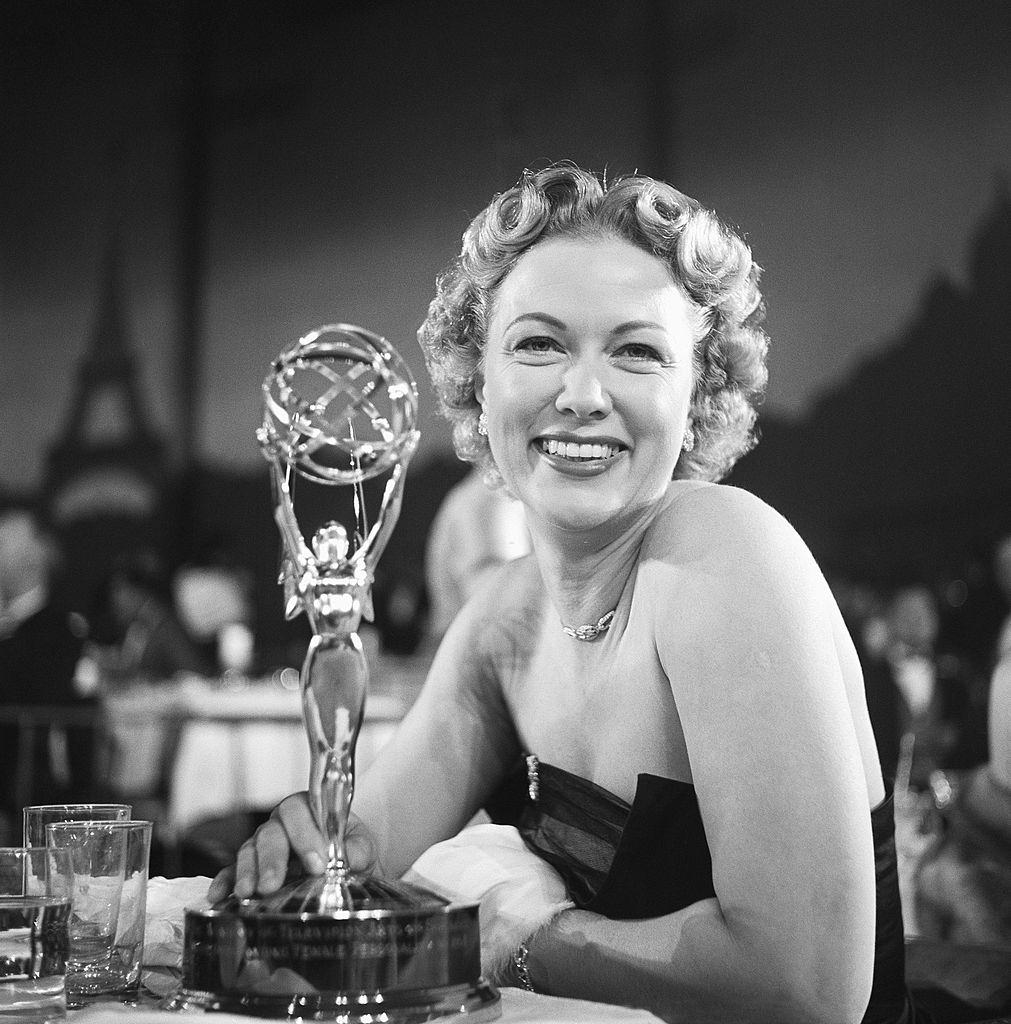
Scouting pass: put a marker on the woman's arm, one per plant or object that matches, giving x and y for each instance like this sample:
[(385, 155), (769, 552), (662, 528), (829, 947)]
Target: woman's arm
[(685, 967), (744, 634), (451, 750)]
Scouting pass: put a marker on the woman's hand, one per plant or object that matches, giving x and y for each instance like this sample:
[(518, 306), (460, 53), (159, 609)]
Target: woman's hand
[(262, 862)]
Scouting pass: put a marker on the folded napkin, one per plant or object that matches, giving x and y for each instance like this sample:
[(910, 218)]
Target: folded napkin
[(167, 898), (518, 892)]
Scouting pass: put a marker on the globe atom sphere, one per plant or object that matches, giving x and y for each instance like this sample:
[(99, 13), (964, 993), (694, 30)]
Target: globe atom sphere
[(340, 406)]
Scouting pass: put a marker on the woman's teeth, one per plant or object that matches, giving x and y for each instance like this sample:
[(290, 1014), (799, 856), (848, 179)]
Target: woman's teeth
[(579, 451)]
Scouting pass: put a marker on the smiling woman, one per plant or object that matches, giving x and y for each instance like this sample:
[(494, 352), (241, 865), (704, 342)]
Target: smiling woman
[(661, 703)]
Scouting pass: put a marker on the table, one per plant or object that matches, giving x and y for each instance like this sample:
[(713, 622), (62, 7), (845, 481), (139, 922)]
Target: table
[(252, 744), (518, 1007), (210, 748), (977, 975)]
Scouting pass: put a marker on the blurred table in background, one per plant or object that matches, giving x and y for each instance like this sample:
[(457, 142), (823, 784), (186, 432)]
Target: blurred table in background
[(206, 747)]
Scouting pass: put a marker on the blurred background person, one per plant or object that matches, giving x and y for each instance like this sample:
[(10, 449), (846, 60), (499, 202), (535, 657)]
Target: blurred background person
[(41, 643), (214, 609), (1002, 576), (917, 693), (139, 635), (476, 529), (963, 882)]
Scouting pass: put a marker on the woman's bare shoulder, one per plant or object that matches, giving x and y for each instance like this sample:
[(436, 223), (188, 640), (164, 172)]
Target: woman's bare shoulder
[(718, 556), (717, 522)]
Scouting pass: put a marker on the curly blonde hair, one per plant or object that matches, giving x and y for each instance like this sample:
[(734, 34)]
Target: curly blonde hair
[(708, 260)]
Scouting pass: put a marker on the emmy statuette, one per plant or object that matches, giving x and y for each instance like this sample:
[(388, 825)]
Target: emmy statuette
[(340, 407)]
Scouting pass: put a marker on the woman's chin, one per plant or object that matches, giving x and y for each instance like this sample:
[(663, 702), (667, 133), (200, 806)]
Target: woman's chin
[(575, 514), (583, 500)]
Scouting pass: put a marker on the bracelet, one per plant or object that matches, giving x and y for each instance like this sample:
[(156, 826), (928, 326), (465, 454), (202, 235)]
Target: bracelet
[(522, 967)]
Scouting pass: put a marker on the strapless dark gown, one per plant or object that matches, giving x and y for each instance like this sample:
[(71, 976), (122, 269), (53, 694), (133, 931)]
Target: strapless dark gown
[(618, 860)]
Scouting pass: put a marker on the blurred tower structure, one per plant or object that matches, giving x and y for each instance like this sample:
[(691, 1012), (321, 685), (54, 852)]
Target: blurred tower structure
[(107, 479)]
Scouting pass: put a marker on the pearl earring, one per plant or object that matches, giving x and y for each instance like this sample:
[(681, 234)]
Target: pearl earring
[(689, 440), (482, 424)]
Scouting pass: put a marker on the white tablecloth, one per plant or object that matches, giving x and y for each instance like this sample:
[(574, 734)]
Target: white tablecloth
[(216, 749), (518, 1007), (225, 760)]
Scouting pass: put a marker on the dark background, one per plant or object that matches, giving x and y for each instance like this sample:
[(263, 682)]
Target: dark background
[(187, 187)]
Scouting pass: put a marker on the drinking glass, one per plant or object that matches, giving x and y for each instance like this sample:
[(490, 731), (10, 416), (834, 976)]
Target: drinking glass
[(38, 816), (33, 958), (24, 870), (107, 887)]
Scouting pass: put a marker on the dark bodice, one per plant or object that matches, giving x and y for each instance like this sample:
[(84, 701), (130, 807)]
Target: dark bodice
[(652, 858)]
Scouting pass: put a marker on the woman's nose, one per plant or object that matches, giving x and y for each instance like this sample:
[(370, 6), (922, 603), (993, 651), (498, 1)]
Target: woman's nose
[(583, 393)]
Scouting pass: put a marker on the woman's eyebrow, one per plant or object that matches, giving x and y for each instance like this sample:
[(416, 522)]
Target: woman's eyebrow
[(553, 321), (544, 318), (637, 325)]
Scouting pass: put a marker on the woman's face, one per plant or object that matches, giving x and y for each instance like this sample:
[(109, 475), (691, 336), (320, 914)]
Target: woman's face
[(587, 380)]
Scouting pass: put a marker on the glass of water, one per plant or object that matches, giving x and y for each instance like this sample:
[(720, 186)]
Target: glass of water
[(105, 875), (38, 816), (34, 940), (23, 870)]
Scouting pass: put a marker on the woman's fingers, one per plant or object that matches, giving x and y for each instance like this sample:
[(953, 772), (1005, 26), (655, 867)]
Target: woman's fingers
[(302, 837), (261, 864), (246, 874), (222, 884), (262, 860), (361, 850)]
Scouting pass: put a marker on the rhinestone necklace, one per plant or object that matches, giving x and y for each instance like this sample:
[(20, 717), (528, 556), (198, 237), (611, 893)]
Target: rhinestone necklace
[(591, 630)]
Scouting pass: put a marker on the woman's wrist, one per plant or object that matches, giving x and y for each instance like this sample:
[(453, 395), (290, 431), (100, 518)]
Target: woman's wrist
[(521, 967), (524, 969), (532, 958)]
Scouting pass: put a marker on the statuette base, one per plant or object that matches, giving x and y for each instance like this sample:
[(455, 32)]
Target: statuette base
[(403, 955)]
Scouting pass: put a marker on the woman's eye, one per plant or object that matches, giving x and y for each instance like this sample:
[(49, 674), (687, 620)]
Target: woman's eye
[(537, 343), (638, 351)]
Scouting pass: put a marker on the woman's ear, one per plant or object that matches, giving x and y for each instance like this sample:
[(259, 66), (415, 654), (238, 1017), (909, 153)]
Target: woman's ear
[(479, 391)]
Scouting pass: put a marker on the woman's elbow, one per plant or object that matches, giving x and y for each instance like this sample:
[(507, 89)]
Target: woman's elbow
[(819, 974), (844, 1004), (832, 988)]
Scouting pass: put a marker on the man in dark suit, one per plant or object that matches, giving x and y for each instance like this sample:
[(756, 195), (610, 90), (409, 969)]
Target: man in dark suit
[(40, 650)]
